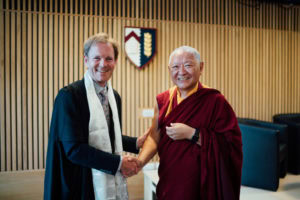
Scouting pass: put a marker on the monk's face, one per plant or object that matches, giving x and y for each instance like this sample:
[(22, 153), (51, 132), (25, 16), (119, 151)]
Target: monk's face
[(185, 71), (100, 62)]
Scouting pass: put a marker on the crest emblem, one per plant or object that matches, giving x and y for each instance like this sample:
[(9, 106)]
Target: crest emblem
[(140, 45)]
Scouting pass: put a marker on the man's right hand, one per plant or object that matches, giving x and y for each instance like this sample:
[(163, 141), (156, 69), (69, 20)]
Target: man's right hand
[(130, 166)]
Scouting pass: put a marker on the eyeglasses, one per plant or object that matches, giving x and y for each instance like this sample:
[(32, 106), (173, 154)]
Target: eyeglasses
[(186, 66)]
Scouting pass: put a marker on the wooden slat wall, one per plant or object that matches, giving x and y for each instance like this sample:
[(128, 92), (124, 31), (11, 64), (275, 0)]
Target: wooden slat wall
[(251, 55)]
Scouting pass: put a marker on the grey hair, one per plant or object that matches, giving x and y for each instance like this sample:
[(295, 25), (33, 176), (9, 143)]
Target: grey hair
[(187, 49)]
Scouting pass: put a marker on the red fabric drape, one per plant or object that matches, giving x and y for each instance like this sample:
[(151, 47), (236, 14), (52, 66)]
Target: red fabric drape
[(188, 171)]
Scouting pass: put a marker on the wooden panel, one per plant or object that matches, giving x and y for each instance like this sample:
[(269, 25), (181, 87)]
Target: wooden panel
[(19, 92), (45, 90), (7, 95), (75, 44), (34, 72), (40, 89), (24, 94), (55, 56), (13, 90), (29, 90), (66, 49), (2, 93), (50, 66), (251, 55)]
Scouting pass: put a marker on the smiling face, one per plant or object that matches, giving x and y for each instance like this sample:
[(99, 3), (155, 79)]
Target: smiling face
[(100, 62), (185, 71)]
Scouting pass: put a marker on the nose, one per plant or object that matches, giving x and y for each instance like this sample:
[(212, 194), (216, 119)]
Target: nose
[(101, 63), (181, 69)]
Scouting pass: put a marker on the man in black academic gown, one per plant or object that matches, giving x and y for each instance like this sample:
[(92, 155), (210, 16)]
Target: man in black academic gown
[(72, 154)]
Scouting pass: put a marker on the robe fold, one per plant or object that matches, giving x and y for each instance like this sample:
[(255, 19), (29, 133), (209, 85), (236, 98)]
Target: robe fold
[(211, 171)]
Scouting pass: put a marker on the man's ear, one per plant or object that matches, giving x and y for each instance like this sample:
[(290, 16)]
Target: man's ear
[(201, 66)]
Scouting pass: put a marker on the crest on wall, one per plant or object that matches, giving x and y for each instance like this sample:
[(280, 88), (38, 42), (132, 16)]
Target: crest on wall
[(140, 45)]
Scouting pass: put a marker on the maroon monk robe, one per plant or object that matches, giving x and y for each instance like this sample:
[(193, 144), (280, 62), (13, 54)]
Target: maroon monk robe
[(211, 171)]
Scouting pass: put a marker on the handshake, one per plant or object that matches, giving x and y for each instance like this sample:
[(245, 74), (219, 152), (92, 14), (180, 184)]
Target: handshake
[(130, 166)]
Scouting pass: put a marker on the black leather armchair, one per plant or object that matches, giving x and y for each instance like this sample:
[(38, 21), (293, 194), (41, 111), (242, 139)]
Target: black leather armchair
[(265, 154), (293, 123)]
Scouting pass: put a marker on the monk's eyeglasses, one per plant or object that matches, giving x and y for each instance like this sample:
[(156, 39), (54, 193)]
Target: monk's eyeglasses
[(186, 66)]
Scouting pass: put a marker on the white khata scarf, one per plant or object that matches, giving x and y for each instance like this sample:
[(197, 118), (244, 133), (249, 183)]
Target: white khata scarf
[(106, 186)]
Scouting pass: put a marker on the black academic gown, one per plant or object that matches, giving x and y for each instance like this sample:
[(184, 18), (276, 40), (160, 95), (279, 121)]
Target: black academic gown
[(69, 157)]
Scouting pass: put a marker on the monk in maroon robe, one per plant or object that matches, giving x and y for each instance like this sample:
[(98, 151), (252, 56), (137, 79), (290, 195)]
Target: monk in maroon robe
[(196, 135)]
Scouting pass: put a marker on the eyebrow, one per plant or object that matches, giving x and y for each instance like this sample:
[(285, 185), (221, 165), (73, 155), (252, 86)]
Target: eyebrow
[(98, 56), (186, 62)]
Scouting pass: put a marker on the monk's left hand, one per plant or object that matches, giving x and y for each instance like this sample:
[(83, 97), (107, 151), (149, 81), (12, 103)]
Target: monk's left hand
[(180, 131)]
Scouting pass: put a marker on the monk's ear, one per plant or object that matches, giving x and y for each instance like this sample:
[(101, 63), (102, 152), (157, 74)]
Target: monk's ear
[(85, 59), (201, 66)]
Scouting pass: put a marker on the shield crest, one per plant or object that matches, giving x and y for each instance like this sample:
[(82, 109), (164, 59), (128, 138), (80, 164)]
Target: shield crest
[(140, 45)]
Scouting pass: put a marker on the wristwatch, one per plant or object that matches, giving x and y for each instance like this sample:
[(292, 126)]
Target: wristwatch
[(195, 137)]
